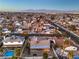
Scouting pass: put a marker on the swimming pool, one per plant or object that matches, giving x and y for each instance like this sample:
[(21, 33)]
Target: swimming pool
[(9, 53)]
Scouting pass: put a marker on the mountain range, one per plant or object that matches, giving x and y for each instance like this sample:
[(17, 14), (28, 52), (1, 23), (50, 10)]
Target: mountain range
[(50, 11)]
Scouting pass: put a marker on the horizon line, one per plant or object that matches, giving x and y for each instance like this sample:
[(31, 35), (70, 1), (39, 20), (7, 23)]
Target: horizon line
[(38, 10)]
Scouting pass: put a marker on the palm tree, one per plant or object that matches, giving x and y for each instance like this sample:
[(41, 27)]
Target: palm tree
[(0, 30), (70, 55), (57, 34), (17, 51), (66, 42), (11, 27), (45, 55), (28, 47)]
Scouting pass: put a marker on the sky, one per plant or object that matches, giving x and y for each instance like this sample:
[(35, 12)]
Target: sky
[(16, 5)]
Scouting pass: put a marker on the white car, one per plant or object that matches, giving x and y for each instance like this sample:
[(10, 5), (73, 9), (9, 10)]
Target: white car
[(6, 32)]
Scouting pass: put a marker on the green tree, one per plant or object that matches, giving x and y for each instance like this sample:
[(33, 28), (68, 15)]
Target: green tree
[(72, 27), (1, 50), (65, 34), (13, 57), (54, 57)]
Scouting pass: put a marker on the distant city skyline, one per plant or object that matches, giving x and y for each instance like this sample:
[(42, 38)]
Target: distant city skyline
[(18, 5)]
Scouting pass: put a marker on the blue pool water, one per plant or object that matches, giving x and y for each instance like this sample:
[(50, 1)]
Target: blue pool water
[(9, 53), (76, 57)]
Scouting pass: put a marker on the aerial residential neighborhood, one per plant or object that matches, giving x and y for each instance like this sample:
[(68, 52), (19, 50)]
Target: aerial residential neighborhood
[(38, 35)]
